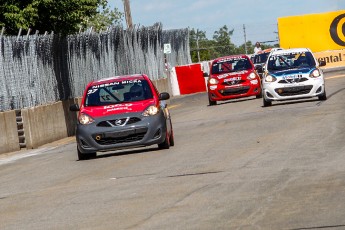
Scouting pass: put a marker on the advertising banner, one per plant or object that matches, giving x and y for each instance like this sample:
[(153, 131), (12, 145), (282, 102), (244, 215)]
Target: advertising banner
[(319, 32), (333, 58)]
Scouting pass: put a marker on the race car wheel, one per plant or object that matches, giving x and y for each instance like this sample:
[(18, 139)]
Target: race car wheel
[(323, 97), (266, 103), (165, 144), (211, 102), (171, 138), (85, 156), (259, 95)]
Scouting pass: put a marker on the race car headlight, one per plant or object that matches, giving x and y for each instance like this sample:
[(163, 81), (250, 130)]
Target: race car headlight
[(270, 78), (150, 111), (315, 73), (213, 81), (85, 119), (251, 76)]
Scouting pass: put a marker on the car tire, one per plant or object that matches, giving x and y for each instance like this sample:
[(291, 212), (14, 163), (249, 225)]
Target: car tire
[(211, 103), (171, 139), (259, 95), (323, 97), (266, 103), (85, 156), (165, 144)]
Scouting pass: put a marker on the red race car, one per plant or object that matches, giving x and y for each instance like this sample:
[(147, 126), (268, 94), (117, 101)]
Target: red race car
[(122, 112), (232, 77)]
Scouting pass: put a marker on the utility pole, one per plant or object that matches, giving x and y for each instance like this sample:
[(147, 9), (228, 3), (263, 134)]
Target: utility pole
[(245, 38), (197, 44), (128, 15)]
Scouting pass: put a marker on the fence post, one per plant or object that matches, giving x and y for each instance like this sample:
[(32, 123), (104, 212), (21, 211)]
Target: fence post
[(19, 33)]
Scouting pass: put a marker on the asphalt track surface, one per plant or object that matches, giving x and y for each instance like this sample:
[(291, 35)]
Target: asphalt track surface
[(236, 165)]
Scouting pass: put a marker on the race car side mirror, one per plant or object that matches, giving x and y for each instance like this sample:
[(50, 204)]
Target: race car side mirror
[(74, 108), (206, 74), (322, 63), (164, 96), (259, 68)]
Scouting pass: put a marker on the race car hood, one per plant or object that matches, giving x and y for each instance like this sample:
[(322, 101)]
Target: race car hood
[(241, 74), (108, 110), (292, 71)]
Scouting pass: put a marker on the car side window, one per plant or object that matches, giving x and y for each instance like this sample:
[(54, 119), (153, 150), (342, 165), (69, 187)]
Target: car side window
[(138, 92)]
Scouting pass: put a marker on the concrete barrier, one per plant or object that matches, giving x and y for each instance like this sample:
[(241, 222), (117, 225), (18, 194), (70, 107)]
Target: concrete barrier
[(162, 85), (9, 141), (71, 118), (44, 124)]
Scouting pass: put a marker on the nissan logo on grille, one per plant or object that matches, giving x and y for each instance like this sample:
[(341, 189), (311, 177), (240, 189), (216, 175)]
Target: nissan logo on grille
[(118, 122)]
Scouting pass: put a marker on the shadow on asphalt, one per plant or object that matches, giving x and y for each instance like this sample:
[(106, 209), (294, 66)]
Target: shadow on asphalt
[(124, 152)]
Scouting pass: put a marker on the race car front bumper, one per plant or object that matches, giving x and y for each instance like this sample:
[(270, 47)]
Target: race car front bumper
[(275, 91), (106, 133)]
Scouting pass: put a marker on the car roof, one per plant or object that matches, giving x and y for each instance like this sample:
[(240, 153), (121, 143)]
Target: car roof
[(231, 57), (264, 51), (294, 50), (268, 50), (119, 78)]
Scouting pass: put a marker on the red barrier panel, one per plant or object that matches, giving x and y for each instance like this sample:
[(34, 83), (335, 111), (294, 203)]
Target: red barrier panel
[(190, 79)]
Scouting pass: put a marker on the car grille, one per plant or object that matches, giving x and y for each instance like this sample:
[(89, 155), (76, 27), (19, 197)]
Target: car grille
[(130, 138), (234, 91), (292, 91), (293, 80), (235, 82), (119, 122), (120, 137)]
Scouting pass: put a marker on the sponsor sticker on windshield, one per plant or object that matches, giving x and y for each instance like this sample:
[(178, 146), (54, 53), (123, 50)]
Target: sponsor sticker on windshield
[(115, 107)]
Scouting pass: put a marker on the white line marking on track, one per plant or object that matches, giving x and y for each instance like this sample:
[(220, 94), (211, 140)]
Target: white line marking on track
[(15, 157)]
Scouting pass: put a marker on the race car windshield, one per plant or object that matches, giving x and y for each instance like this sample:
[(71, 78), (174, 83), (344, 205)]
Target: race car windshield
[(260, 58), (231, 65), (118, 92), (290, 61)]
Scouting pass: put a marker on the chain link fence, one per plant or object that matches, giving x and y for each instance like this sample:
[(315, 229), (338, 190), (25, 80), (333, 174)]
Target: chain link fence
[(41, 69)]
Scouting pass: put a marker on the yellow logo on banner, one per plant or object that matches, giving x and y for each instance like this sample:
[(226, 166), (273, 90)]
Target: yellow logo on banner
[(319, 32)]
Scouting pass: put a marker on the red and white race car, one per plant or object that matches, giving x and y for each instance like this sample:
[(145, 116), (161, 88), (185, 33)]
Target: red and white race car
[(122, 112), (232, 77)]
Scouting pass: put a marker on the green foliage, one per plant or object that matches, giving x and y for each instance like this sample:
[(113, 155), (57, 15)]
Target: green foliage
[(198, 40), (249, 46), (220, 46), (60, 16), (224, 46), (103, 19)]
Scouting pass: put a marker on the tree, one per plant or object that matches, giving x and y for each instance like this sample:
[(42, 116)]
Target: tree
[(199, 44), (242, 48), (61, 16), (105, 18), (224, 46)]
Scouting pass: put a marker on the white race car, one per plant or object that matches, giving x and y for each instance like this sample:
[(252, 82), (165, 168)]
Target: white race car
[(292, 74)]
